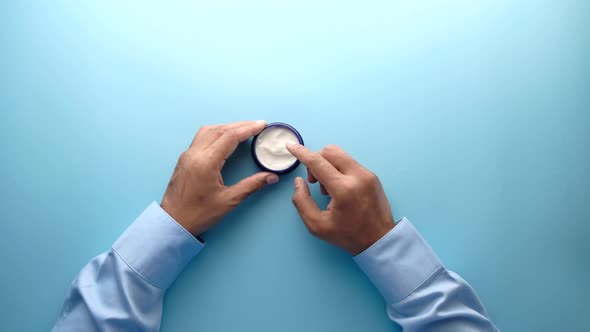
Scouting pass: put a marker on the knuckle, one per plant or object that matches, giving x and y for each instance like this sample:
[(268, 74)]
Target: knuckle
[(331, 148), (371, 178), (209, 128), (211, 131), (298, 202), (184, 157), (349, 186), (200, 164), (346, 190), (232, 135), (216, 131), (362, 180), (193, 161), (315, 159), (187, 158), (205, 129), (236, 199)]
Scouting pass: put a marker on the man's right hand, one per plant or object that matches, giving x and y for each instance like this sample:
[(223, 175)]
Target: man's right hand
[(358, 214)]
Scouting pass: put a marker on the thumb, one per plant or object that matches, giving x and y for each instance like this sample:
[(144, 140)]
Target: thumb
[(305, 205), (251, 184)]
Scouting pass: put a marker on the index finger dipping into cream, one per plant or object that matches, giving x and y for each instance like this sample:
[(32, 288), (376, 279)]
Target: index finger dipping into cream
[(269, 149)]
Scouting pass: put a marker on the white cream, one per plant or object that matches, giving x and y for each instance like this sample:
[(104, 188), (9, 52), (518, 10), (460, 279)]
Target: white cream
[(271, 148)]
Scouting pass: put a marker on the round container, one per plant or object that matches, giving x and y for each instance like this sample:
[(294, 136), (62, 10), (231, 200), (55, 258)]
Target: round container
[(269, 151)]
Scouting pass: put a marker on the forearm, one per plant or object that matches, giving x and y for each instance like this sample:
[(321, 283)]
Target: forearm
[(420, 293), (123, 289)]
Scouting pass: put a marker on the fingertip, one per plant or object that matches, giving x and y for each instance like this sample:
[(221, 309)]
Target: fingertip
[(251, 184), (292, 146), (272, 179), (258, 127), (299, 183), (304, 203)]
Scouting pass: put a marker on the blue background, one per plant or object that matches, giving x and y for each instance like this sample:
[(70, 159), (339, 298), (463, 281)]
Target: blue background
[(474, 114)]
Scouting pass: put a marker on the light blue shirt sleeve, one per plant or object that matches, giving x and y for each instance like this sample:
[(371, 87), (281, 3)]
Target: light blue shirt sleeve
[(421, 295), (123, 289)]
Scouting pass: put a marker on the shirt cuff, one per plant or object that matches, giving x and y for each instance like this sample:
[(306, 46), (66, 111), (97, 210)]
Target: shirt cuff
[(156, 247), (399, 262)]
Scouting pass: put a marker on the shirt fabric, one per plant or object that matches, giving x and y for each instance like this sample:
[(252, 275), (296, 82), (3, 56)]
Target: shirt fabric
[(123, 289)]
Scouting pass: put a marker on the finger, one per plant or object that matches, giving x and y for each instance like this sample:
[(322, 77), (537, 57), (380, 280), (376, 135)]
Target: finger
[(209, 134), (228, 142), (339, 158), (323, 190), (306, 207), (321, 169), (239, 124), (310, 177), (205, 136), (246, 187)]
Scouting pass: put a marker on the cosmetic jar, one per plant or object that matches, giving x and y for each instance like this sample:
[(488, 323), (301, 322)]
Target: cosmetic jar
[(269, 149)]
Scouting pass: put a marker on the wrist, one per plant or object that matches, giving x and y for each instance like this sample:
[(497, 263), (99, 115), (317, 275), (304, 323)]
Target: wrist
[(177, 215), (371, 237)]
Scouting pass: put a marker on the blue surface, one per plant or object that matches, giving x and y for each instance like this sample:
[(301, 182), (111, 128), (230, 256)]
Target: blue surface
[(475, 115)]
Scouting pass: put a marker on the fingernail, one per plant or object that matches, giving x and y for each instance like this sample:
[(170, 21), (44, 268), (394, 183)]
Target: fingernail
[(291, 145), (298, 182), (260, 121), (272, 179)]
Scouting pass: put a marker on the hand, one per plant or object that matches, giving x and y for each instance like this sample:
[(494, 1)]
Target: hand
[(358, 214), (196, 196)]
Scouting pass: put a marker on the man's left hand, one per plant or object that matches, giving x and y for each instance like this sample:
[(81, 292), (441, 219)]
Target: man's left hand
[(197, 197)]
